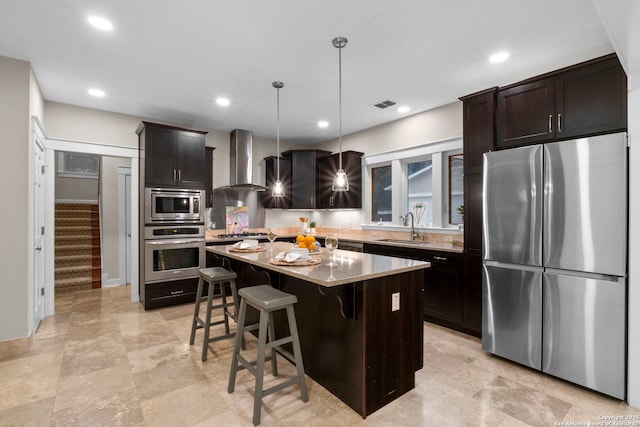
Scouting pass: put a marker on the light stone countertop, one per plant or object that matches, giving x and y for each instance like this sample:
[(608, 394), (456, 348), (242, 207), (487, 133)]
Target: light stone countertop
[(351, 266), (433, 246)]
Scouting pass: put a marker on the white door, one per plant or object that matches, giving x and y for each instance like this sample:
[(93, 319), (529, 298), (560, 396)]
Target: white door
[(127, 218), (38, 233)]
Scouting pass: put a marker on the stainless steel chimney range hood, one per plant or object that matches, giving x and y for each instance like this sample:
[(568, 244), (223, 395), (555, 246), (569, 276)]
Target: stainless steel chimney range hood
[(241, 158)]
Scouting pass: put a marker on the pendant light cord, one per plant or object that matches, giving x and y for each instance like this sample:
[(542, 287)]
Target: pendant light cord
[(278, 134), (340, 102)]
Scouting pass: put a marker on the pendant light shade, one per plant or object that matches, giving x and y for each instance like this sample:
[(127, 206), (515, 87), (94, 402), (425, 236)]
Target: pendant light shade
[(278, 189), (340, 181)]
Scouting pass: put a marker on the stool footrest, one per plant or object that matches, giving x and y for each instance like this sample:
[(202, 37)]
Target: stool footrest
[(249, 365), (278, 343), (280, 386), (222, 337)]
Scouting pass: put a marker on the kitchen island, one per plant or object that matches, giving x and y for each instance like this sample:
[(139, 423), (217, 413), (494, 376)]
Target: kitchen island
[(360, 322)]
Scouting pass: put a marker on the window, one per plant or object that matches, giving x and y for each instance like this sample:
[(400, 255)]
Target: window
[(419, 197), (381, 194), (425, 180), (78, 165), (456, 189)]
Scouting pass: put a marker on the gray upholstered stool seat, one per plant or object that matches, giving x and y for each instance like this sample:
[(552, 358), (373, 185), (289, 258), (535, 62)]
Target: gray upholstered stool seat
[(266, 300), (214, 276)]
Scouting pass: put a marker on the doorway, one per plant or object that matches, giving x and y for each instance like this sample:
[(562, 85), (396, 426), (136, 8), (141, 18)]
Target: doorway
[(53, 145)]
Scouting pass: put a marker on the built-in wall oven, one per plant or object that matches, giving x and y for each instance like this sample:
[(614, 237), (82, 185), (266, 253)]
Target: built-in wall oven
[(167, 205), (173, 252)]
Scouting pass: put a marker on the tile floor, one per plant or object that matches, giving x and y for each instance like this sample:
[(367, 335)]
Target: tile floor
[(104, 361)]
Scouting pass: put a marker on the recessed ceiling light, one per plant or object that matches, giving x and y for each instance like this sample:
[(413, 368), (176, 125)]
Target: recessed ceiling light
[(403, 109), (223, 102), (499, 57), (323, 124), (98, 93), (100, 23)]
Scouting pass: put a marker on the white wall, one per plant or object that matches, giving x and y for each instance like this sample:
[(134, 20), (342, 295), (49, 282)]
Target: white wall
[(15, 254), (109, 219), (430, 126), (620, 20), (633, 384)]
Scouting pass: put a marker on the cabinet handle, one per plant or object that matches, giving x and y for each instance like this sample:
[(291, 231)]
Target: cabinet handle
[(179, 174), (550, 123), (559, 122), (439, 258), (331, 201), (174, 174)]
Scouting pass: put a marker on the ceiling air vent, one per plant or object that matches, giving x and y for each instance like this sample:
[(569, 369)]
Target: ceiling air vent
[(384, 104)]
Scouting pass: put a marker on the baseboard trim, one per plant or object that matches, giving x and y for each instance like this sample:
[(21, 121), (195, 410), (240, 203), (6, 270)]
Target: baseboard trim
[(89, 202), (112, 283)]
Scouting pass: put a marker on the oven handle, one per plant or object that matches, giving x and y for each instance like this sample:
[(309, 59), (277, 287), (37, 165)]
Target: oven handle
[(173, 242)]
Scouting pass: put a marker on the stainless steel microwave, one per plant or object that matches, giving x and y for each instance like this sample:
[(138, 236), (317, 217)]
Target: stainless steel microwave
[(166, 205)]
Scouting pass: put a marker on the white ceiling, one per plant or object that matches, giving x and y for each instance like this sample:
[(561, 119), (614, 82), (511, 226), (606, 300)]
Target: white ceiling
[(169, 60)]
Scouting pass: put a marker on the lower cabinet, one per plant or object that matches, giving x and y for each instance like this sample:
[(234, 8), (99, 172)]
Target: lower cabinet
[(443, 299), (170, 293), (472, 292), (442, 289)]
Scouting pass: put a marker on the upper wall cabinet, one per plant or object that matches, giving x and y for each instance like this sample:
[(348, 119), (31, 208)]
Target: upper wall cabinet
[(585, 99), (478, 127), (327, 168), (271, 172), (174, 157), (304, 177)]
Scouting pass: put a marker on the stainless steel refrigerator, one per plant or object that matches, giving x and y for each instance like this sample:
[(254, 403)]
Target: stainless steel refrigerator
[(555, 259)]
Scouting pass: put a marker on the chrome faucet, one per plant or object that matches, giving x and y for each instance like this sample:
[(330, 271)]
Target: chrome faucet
[(414, 235)]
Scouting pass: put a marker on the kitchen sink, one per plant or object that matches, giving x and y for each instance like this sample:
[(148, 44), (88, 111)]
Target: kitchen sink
[(406, 242)]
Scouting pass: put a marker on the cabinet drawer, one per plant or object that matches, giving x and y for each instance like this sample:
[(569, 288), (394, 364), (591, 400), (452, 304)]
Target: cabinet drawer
[(170, 293)]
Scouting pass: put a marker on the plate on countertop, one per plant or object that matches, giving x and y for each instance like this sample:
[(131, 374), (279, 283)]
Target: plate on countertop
[(248, 250), (296, 263)]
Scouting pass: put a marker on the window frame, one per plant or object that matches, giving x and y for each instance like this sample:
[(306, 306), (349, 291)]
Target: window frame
[(438, 152)]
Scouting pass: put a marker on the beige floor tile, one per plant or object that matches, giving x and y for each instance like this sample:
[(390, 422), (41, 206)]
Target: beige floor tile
[(163, 368), (523, 403), (186, 406), (84, 356), (34, 414), (143, 333), (97, 386), (29, 379)]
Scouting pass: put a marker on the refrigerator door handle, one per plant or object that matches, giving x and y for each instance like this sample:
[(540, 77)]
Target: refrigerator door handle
[(582, 274), (521, 267)]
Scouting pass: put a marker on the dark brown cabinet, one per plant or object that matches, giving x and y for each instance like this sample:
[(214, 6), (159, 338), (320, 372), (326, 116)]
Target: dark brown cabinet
[(584, 99), (478, 128), (327, 168), (304, 176), (270, 178), (442, 290), (208, 175), (174, 157), (478, 124)]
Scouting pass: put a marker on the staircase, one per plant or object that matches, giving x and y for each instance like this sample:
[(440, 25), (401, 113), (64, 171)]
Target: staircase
[(77, 247)]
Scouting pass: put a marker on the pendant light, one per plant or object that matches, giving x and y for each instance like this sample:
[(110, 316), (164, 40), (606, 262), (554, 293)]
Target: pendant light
[(340, 181), (278, 190)]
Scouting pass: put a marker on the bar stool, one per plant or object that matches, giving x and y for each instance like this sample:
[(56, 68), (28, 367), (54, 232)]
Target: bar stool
[(220, 276), (266, 300)]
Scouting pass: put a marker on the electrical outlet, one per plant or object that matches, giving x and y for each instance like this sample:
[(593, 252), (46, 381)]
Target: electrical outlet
[(395, 301)]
